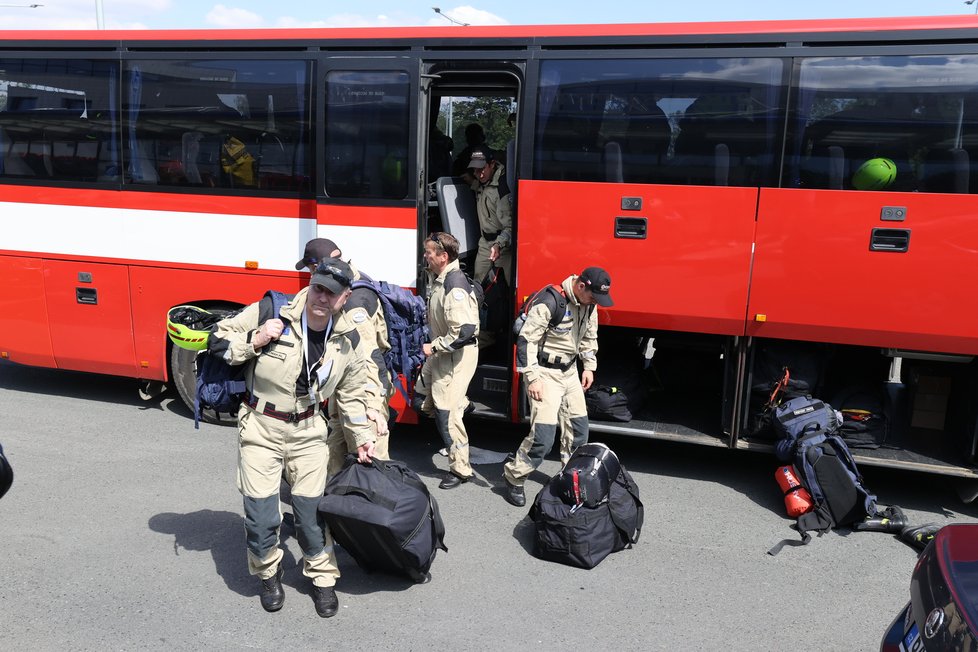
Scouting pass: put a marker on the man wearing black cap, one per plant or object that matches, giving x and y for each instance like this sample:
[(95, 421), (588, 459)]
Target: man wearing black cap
[(300, 358), (495, 209), (364, 310), (548, 357)]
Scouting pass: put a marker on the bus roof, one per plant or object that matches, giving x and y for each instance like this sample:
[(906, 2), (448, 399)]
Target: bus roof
[(912, 23)]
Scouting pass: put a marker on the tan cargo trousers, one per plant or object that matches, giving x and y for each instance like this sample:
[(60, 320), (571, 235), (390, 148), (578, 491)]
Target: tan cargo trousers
[(563, 401), (444, 380), (266, 446)]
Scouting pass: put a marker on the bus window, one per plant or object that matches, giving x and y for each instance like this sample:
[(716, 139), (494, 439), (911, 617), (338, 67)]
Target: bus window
[(58, 120), (218, 124), (680, 121), (896, 123), (367, 134)]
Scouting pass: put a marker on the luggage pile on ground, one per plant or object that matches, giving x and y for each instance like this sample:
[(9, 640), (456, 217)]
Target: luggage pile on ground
[(588, 510)]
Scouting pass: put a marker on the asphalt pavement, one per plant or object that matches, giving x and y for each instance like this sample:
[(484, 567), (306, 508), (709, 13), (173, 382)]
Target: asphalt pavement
[(124, 531)]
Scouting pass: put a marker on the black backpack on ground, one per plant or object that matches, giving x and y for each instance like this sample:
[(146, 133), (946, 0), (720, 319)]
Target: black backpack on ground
[(582, 536), (797, 417), (383, 515), (826, 469)]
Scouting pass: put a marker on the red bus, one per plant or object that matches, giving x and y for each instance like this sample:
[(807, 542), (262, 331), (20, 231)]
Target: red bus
[(726, 174)]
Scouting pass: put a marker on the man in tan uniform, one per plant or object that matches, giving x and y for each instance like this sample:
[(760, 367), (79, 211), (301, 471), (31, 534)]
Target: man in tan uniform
[(494, 206), (547, 357), (453, 317), (364, 310), (294, 370)]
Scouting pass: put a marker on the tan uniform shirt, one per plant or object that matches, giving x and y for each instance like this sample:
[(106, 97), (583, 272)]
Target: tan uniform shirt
[(453, 311), (340, 375), (495, 208), (575, 335)]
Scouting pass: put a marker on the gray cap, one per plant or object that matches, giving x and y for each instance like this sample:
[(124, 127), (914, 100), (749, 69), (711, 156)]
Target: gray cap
[(333, 274)]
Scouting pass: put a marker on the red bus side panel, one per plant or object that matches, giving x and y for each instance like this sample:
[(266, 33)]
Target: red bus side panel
[(24, 333), (89, 315), (157, 289), (815, 277), (689, 272)]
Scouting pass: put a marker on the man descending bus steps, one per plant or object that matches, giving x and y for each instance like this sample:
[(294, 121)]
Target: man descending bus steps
[(547, 357), (281, 425), (364, 311), (494, 206), (453, 353)]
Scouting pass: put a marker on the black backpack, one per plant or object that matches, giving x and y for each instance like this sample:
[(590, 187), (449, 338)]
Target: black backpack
[(220, 386), (799, 416), (553, 297), (582, 536), (493, 314), (406, 315), (607, 403), (826, 469)]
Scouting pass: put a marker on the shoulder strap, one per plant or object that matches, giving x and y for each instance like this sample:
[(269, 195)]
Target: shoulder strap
[(626, 482), (270, 309)]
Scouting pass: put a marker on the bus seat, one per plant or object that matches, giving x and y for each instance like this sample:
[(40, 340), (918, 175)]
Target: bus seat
[(946, 170), (459, 216), (39, 158), (721, 164), (613, 169), (646, 144), (142, 168), (190, 150), (835, 159), (14, 161)]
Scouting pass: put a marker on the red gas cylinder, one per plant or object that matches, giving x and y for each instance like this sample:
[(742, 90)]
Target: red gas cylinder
[(797, 500)]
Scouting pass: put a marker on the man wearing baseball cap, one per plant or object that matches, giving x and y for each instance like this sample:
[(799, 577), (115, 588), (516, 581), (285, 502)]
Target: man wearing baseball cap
[(560, 331), (495, 209), (299, 359)]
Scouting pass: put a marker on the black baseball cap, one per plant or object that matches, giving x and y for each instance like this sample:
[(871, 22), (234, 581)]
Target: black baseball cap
[(333, 274), (598, 281), (317, 249), (480, 157)]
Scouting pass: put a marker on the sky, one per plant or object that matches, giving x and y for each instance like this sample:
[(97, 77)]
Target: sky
[(229, 14)]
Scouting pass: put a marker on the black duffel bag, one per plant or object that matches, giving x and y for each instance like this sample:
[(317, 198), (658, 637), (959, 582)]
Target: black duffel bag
[(582, 536), (384, 516)]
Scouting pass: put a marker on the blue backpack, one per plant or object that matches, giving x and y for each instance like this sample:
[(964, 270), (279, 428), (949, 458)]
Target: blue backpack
[(220, 386), (797, 417), (826, 468), (407, 331)]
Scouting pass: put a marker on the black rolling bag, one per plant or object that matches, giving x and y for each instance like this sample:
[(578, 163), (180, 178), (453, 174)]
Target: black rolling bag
[(383, 515)]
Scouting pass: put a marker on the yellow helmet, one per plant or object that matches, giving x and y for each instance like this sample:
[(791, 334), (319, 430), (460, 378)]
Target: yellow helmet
[(189, 326)]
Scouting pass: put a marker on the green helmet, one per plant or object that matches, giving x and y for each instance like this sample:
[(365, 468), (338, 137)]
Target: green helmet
[(874, 174), (189, 326)]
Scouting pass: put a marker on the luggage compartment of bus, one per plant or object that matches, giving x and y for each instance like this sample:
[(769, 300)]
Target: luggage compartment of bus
[(680, 386), (929, 415)]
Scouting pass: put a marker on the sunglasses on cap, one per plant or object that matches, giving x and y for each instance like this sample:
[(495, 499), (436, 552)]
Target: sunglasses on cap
[(335, 273)]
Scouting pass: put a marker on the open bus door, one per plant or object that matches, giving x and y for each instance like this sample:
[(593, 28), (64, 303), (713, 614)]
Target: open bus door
[(455, 95)]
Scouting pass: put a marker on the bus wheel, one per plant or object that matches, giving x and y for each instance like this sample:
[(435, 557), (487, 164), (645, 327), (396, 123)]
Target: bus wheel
[(183, 375)]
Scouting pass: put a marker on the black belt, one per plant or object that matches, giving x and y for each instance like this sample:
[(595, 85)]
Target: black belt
[(491, 236), (289, 417), (557, 365)]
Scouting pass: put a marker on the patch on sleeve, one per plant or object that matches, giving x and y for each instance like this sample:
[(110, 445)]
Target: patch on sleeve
[(359, 316), (458, 294)]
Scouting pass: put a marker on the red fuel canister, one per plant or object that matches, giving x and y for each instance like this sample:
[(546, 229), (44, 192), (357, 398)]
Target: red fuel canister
[(797, 500)]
